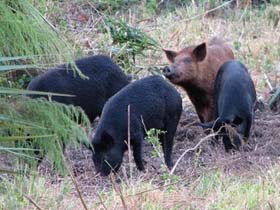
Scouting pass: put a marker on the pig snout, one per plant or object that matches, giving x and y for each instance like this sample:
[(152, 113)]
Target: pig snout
[(166, 70), (170, 73)]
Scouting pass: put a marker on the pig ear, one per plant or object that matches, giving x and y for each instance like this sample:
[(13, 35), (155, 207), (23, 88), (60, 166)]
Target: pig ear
[(170, 54), (199, 52), (106, 141)]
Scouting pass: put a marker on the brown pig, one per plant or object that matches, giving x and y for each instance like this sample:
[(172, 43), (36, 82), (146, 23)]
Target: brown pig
[(194, 68)]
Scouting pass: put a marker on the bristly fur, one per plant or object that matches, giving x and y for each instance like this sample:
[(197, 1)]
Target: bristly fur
[(196, 68)]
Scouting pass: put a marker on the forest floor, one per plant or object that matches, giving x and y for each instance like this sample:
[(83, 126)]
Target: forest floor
[(263, 149), (262, 153), (206, 177)]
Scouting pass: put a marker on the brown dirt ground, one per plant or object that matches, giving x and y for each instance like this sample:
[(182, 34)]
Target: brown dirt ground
[(264, 153)]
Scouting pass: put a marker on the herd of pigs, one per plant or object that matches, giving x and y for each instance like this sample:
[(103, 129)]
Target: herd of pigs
[(219, 87)]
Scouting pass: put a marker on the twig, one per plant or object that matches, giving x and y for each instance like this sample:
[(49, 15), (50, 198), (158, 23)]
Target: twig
[(77, 189), (95, 9), (193, 3), (32, 201), (6, 171), (211, 10), (191, 149), (50, 24), (267, 81), (162, 1), (159, 187), (143, 123), (152, 189), (271, 206), (156, 188), (101, 202), (69, 169), (274, 97), (194, 122), (128, 141), (118, 191), (245, 10)]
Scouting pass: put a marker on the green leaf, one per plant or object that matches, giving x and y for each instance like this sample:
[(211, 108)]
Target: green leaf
[(5, 171), (19, 67), (15, 91), (17, 138)]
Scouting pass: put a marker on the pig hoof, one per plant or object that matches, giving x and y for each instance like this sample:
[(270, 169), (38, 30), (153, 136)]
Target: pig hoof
[(141, 168)]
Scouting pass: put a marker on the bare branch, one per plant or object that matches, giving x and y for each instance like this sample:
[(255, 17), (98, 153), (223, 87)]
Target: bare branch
[(191, 149), (118, 191), (32, 201)]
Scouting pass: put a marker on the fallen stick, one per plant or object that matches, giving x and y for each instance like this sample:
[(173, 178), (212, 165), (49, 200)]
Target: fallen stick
[(191, 149)]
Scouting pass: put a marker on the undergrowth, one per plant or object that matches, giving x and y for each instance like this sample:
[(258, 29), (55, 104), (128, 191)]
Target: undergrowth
[(46, 125), (25, 32), (28, 39), (252, 33), (211, 190)]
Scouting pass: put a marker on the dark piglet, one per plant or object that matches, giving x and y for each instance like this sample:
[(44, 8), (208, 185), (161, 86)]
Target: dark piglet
[(154, 103), (105, 78), (235, 97)]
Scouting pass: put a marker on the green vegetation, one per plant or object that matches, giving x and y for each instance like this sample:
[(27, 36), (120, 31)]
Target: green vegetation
[(152, 137), (212, 190), (32, 38), (128, 42), (48, 126), (25, 32), (29, 42)]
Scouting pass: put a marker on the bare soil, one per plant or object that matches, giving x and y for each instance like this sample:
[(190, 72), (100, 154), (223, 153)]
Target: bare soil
[(264, 142), (263, 152)]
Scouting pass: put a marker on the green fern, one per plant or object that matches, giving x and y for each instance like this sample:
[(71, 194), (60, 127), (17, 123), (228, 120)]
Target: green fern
[(48, 125), (24, 31)]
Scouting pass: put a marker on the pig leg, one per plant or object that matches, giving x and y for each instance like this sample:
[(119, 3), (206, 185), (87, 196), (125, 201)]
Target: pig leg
[(167, 140), (227, 143), (246, 127), (226, 139), (236, 141), (137, 151)]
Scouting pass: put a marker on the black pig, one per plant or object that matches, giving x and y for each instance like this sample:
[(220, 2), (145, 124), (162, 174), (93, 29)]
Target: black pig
[(154, 103), (235, 97), (105, 78)]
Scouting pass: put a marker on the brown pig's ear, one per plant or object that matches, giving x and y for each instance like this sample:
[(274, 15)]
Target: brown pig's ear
[(170, 55), (199, 52)]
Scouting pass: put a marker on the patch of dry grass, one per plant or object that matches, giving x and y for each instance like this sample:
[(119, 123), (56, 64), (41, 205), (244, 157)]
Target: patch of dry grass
[(211, 190), (251, 33)]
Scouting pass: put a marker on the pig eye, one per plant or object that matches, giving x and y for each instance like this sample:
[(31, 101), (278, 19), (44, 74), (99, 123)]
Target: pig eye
[(187, 60)]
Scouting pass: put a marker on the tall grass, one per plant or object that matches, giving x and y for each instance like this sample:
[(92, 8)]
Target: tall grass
[(25, 32), (211, 190), (29, 41), (48, 125)]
